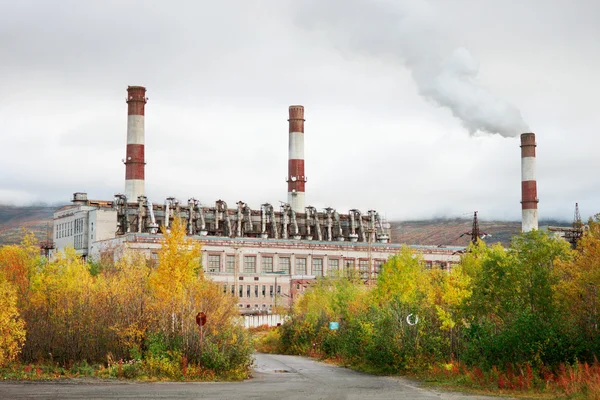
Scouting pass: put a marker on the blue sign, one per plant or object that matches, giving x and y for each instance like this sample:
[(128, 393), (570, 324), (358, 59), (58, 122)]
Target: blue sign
[(334, 326)]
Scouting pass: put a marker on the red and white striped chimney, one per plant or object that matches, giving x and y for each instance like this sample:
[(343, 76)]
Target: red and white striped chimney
[(296, 179), (529, 199), (135, 163)]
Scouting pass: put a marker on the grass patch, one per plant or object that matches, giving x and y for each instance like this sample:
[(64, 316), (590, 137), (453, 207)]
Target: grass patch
[(150, 369)]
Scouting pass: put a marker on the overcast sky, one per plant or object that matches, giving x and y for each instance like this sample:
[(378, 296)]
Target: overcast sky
[(399, 97)]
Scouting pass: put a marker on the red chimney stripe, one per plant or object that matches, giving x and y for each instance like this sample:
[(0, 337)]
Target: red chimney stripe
[(134, 170)]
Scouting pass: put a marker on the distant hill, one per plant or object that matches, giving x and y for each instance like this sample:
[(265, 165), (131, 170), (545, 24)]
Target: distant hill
[(36, 219), (448, 232)]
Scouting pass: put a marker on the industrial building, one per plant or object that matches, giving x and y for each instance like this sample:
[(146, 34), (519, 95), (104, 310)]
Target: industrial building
[(262, 255)]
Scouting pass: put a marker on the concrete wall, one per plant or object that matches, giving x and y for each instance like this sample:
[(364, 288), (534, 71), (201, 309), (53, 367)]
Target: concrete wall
[(254, 321), (70, 227)]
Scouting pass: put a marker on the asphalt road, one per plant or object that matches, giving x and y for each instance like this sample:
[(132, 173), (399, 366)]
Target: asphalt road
[(275, 377)]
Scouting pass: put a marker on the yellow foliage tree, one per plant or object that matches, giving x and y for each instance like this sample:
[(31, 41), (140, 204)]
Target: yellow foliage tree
[(60, 313), (172, 282), (18, 263), (123, 299), (12, 327), (578, 287)]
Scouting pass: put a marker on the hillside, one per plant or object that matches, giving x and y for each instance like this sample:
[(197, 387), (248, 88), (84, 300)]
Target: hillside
[(13, 219), (448, 232)]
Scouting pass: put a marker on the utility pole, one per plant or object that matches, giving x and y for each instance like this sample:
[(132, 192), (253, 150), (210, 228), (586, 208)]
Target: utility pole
[(235, 269), (275, 295), (475, 229), (371, 277), (475, 233), (576, 233)]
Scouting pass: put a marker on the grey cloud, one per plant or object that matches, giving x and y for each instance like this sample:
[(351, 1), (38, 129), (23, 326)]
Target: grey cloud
[(406, 30), (220, 76)]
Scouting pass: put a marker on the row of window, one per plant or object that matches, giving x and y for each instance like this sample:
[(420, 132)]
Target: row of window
[(78, 241), (69, 228), (251, 293), (438, 264), (214, 265)]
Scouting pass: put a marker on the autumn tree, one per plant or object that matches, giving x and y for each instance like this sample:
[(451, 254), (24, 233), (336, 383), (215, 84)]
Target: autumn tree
[(12, 326), (578, 289), (19, 263), (171, 282)]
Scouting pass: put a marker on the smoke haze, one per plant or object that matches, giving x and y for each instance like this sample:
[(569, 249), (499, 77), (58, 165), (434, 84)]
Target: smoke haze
[(406, 31)]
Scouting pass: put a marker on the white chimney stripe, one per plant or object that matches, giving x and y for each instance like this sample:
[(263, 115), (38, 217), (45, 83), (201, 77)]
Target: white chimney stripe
[(296, 146), (529, 220), (528, 169), (296, 201), (135, 129), (134, 188)]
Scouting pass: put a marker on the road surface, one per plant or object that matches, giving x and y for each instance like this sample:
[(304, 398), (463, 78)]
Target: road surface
[(275, 377)]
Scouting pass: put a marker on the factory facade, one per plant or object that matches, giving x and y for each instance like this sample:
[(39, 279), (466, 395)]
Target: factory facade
[(263, 271), (262, 255)]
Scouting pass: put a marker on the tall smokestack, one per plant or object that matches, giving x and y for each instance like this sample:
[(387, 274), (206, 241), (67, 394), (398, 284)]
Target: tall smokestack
[(296, 179), (529, 200), (134, 163)]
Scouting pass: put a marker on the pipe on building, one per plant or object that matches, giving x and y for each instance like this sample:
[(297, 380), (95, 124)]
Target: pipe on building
[(318, 225), (248, 212), (352, 236), (295, 230), (240, 218), (263, 220), (361, 227), (152, 226), (223, 212), (142, 200), (529, 199), (307, 218), (338, 223), (273, 220), (192, 205), (296, 179), (168, 204), (285, 221), (120, 203), (329, 222), (135, 160)]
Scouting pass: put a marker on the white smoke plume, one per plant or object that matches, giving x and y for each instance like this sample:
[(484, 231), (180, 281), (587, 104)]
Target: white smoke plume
[(405, 30)]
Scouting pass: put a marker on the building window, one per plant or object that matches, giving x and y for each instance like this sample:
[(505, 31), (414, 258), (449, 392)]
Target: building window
[(267, 264), (300, 266), (249, 264), (349, 266), (264, 290), (255, 290), (428, 264), (278, 290), (334, 264), (232, 290), (284, 265), (214, 262), (271, 290), (224, 289), (241, 291), (247, 290), (363, 266), (231, 264), (318, 266), (378, 266)]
